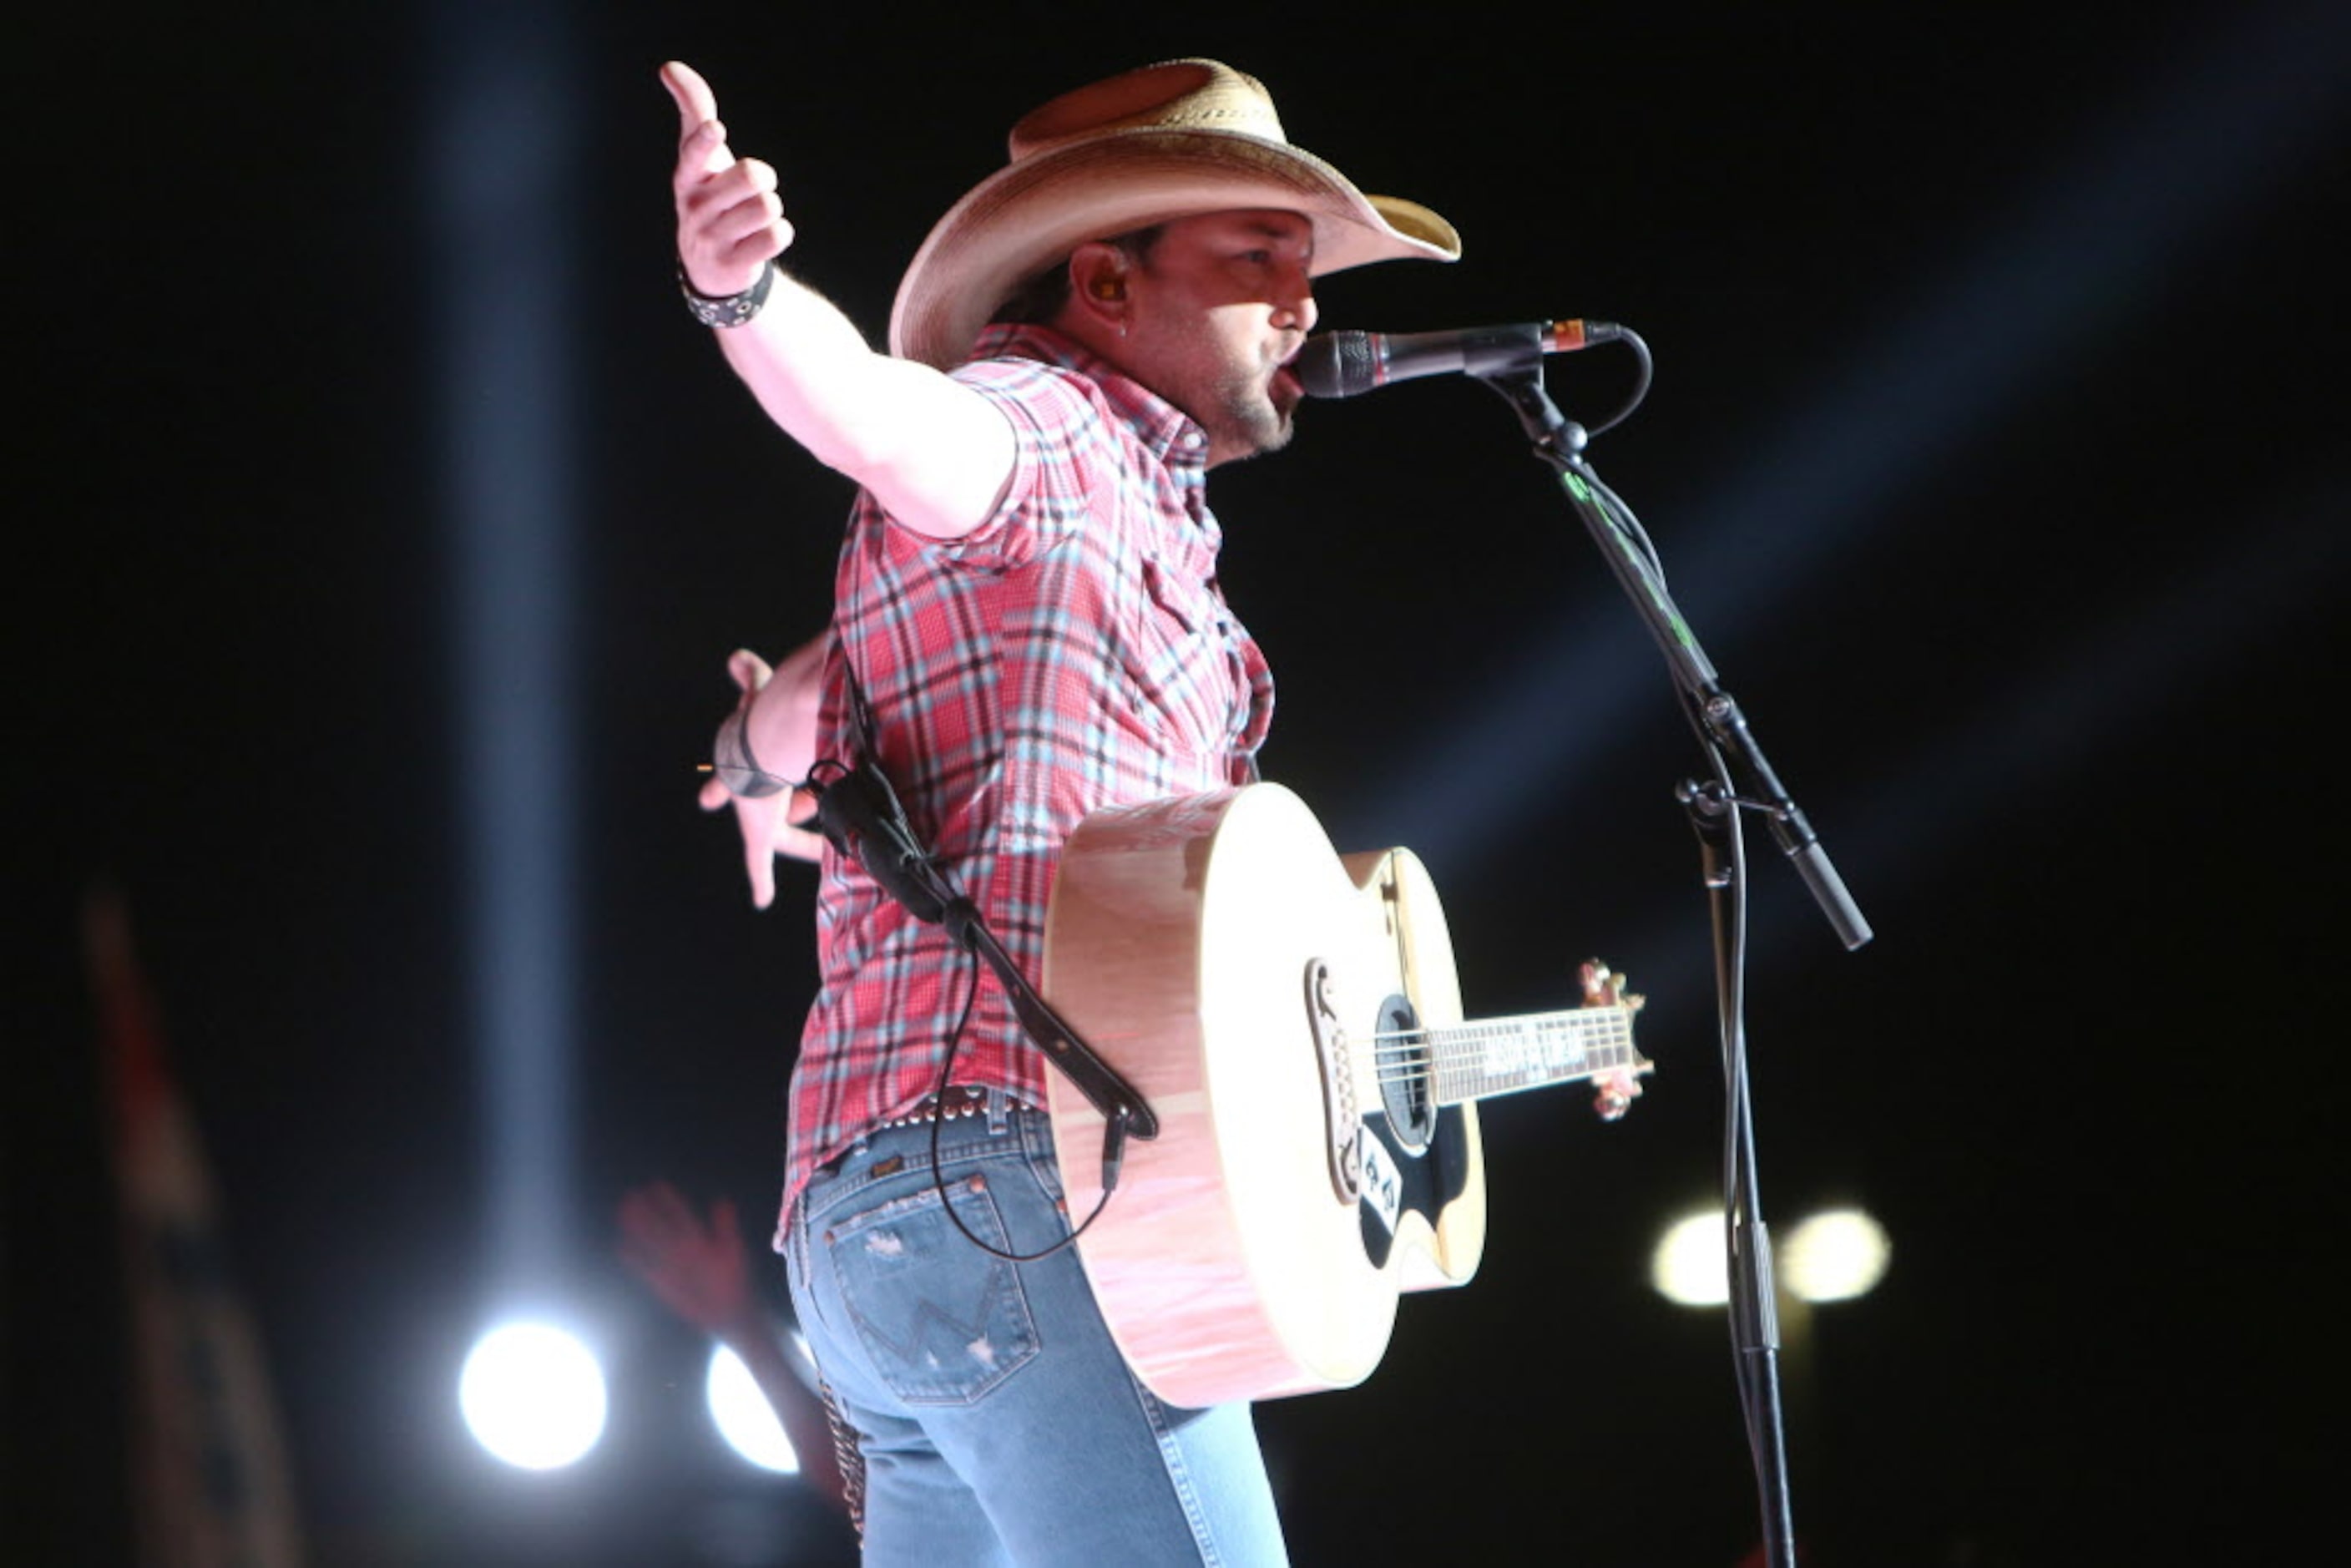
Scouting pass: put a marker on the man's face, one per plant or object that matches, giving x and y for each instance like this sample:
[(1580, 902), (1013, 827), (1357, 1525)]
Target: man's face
[(1216, 312)]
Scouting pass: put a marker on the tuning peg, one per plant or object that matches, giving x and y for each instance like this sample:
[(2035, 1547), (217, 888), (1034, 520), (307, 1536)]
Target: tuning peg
[(1617, 1092)]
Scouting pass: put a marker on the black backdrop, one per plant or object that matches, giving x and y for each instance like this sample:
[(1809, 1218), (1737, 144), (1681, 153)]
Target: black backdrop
[(1991, 449)]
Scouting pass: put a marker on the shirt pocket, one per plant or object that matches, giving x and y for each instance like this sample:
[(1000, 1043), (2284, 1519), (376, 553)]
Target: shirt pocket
[(1179, 661)]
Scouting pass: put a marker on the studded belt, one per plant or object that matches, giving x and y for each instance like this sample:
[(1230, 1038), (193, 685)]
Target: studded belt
[(955, 1103)]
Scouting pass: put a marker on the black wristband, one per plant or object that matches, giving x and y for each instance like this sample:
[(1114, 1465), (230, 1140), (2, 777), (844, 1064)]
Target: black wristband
[(727, 310), (738, 768)]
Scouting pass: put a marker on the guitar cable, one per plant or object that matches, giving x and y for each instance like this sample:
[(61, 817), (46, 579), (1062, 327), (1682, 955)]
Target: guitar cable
[(1113, 1146)]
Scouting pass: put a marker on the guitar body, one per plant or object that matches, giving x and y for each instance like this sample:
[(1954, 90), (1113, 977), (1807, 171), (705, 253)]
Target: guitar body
[(1217, 952)]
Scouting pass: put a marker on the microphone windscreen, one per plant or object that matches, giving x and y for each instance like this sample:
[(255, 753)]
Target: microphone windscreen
[(1337, 364)]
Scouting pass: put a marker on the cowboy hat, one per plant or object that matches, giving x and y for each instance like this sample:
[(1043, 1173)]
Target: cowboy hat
[(1166, 141)]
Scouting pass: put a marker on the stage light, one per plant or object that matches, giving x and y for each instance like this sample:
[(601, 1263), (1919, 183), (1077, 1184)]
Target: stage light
[(1687, 1267), (1834, 1255), (505, 116), (501, 148), (533, 1396), (743, 1416)]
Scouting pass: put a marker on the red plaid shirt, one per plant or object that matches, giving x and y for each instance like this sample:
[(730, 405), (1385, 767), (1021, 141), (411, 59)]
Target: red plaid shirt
[(1073, 651)]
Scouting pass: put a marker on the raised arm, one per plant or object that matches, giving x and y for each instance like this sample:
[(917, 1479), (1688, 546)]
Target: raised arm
[(936, 454)]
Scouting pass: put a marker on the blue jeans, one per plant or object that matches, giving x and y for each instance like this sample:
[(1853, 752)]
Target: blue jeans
[(998, 1422)]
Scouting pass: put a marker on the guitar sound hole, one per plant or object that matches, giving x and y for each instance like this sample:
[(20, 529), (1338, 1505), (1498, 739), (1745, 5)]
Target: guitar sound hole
[(1405, 1069)]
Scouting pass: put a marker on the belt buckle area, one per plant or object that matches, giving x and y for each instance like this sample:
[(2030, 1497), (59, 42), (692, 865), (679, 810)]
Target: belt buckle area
[(954, 1104), (959, 1101)]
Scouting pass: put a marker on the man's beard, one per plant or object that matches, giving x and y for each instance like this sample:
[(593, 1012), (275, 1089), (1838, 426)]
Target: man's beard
[(1251, 417)]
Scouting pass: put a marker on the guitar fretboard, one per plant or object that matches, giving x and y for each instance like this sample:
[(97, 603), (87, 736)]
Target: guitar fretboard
[(1502, 1056)]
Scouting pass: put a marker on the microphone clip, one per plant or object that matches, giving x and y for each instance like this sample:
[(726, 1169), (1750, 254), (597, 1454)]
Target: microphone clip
[(858, 814)]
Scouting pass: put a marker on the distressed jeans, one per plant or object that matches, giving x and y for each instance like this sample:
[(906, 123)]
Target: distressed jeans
[(998, 1422)]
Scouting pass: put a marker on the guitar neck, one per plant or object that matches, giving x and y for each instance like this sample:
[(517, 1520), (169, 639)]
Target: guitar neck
[(1504, 1056)]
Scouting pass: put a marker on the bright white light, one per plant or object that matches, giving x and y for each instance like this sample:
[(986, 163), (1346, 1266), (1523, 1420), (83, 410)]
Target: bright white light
[(1834, 1255), (533, 1396), (1688, 1268), (745, 1417)]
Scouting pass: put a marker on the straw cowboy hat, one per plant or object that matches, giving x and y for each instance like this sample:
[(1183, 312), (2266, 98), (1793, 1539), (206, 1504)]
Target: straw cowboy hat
[(1166, 141)]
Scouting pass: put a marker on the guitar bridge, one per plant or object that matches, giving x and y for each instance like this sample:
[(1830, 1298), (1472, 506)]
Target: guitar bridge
[(1342, 1122)]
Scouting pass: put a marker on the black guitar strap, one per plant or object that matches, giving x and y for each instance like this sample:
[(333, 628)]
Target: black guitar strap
[(859, 812)]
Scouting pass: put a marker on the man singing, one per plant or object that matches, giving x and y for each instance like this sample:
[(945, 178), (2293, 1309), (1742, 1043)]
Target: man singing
[(1027, 601)]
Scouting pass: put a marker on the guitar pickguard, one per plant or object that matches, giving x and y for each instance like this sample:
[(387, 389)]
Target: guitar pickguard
[(1413, 1154), (1421, 1183)]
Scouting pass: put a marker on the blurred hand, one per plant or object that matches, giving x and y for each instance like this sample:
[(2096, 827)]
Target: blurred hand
[(694, 1265)]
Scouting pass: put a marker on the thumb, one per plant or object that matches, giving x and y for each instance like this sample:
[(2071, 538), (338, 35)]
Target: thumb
[(697, 115), (697, 104)]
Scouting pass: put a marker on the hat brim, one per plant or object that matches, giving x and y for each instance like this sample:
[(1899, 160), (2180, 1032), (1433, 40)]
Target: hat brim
[(1028, 216)]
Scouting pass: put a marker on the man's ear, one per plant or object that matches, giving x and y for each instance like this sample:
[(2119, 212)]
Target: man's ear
[(1098, 274)]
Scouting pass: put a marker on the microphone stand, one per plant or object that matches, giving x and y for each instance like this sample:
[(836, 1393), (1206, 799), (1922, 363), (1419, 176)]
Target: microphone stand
[(1742, 781)]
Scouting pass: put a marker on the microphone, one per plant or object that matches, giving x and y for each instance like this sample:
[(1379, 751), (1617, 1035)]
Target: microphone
[(1343, 364)]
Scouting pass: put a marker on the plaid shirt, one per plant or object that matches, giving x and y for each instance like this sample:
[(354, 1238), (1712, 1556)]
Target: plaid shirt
[(1073, 651)]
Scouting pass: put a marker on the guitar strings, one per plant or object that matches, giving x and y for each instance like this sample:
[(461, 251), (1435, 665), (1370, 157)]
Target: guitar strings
[(1472, 1039), (1477, 1033), (1461, 1042), (1519, 1077), (1399, 1059), (1580, 1020), (1593, 1062)]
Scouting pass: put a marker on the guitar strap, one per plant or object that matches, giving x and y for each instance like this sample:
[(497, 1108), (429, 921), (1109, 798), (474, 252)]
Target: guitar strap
[(858, 811)]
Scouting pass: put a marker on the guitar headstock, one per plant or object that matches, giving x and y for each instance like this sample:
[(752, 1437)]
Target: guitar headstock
[(1603, 987)]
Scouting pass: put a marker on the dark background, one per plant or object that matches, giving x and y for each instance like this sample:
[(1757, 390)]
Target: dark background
[(1994, 453)]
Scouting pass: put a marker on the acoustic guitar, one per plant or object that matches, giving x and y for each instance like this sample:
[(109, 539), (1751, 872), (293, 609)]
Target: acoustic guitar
[(1294, 1018)]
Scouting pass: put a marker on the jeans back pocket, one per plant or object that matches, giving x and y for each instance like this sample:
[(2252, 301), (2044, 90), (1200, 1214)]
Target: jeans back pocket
[(944, 1321)]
